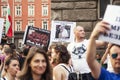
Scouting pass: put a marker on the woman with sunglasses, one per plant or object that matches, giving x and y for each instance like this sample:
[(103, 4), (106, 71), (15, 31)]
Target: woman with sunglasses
[(97, 71)]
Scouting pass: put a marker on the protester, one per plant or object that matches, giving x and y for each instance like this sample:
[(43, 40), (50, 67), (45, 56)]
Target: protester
[(77, 50), (36, 66), (5, 46), (11, 67), (51, 55), (21, 56), (63, 67), (106, 57), (7, 52), (97, 71), (53, 60)]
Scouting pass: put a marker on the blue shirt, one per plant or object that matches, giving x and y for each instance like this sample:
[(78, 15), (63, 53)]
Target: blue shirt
[(106, 75)]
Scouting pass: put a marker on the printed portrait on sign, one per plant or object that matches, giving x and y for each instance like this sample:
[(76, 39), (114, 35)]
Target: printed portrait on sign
[(62, 31)]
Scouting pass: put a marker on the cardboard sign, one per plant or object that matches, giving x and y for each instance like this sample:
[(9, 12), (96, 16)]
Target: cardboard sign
[(36, 37), (62, 31), (112, 16)]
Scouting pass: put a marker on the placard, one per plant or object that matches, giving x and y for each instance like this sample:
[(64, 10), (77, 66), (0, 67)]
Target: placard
[(62, 31), (112, 16), (34, 36)]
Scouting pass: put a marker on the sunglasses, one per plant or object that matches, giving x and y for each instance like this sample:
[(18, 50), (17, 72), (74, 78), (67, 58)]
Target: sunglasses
[(114, 55)]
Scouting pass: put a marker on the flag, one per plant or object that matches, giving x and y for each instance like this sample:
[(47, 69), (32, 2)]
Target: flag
[(8, 25)]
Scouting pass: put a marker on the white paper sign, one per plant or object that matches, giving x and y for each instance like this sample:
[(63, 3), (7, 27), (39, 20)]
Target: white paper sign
[(62, 31), (1, 27), (112, 16)]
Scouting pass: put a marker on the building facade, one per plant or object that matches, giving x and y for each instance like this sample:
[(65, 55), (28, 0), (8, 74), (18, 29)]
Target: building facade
[(26, 12), (84, 12)]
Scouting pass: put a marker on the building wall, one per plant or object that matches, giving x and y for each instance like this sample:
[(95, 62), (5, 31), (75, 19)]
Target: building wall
[(38, 18), (84, 12)]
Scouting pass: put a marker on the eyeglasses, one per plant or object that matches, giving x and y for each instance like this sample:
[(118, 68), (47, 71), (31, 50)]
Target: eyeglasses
[(114, 55)]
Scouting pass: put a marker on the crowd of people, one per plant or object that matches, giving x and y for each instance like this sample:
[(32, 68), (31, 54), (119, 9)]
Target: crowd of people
[(35, 63)]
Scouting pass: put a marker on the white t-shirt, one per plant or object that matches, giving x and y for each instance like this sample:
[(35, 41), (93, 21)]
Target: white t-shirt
[(78, 56)]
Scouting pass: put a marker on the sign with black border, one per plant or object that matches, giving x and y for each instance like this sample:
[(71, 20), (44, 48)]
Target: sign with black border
[(34, 36)]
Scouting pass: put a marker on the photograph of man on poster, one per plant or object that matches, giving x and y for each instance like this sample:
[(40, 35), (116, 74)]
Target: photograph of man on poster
[(62, 31)]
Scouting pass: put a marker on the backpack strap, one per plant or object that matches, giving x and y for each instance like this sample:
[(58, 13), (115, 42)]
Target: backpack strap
[(67, 68), (3, 78)]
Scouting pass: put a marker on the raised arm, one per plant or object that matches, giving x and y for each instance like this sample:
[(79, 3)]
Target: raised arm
[(95, 67), (104, 57)]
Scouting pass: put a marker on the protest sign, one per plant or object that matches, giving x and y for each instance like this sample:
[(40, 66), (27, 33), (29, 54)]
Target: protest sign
[(62, 31), (34, 36), (1, 27), (112, 16)]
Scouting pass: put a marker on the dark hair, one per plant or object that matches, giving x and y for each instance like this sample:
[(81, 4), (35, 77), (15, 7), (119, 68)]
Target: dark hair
[(110, 45), (63, 55), (9, 59), (25, 51), (12, 45), (8, 50), (26, 71)]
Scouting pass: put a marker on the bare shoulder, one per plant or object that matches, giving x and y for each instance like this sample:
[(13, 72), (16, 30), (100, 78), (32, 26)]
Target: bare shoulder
[(58, 68), (58, 73)]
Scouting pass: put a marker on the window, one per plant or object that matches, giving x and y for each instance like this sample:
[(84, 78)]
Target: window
[(44, 10), (30, 10), (31, 22), (4, 0), (18, 10), (3, 11), (102, 4), (44, 25), (18, 0), (30, 0), (18, 25)]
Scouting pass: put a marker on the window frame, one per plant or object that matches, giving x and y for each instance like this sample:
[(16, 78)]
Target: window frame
[(45, 26), (45, 10), (101, 8), (18, 27), (3, 10), (31, 10), (31, 22), (18, 10)]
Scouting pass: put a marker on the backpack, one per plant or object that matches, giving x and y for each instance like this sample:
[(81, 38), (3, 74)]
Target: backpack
[(72, 75)]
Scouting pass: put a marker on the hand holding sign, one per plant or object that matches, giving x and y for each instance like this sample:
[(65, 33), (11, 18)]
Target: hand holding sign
[(112, 16)]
